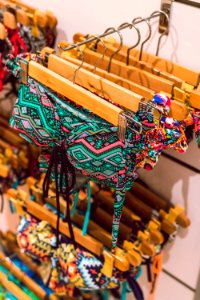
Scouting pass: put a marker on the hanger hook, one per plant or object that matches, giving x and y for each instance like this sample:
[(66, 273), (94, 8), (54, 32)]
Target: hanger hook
[(120, 46), (136, 44), (148, 36), (82, 58), (104, 51), (160, 12)]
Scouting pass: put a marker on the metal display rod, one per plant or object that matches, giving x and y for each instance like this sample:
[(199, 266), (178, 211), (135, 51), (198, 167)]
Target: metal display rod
[(190, 3)]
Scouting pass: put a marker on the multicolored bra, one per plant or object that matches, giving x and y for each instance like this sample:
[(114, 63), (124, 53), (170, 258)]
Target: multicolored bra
[(73, 136), (70, 265)]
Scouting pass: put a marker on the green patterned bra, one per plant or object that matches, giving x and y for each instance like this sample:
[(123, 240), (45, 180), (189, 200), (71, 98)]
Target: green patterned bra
[(90, 144)]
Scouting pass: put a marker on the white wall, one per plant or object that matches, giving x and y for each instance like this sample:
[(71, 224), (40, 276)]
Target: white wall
[(94, 17), (168, 179)]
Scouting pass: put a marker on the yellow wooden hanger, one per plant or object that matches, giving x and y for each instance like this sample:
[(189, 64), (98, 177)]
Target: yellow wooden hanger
[(9, 20), (12, 287), (27, 17), (178, 110), (77, 94), (148, 239), (22, 17), (120, 260), (93, 82), (9, 243), (136, 75), (181, 87), (21, 199), (173, 213), (2, 3), (134, 87), (184, 73), (3, 34), (132, 60), (30, 283), (43, 18), (192, 98), (10, 136), (22, 4), (154, 235)]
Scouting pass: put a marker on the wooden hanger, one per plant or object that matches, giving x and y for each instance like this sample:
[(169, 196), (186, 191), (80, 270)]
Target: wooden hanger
[(93, 229), (75, 93), (194, 99), (15, 160), (22, 17), (146, 212), (27, 17), (43, 214), (27, 281), (93, 82), (190, 76), (129, 72), (133, 61), (3, 3), (156, 202), (39, 18), (51, 19), (134, 87), (43, 18), (12, 287), (124, 232), (10, 136), (145, 246), (3, 34), (121, 260), (4, 170), (147, 241), (176, 93), (22, 4), (9, 243), (9, 20), (178, 110), (106, 202)]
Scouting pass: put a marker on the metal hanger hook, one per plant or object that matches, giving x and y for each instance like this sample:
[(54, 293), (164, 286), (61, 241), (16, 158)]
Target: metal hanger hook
[(138, 41), (120, 46), (82, 58), (104, 51), (160, 12), (148, 36)]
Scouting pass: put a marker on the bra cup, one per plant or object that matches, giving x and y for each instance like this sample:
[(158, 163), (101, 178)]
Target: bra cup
[(36, 239)]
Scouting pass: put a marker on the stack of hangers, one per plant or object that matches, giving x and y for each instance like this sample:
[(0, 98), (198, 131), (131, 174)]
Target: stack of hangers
[(23, 29), (148, 224), (17, 159), (104, 127), (19, 276)]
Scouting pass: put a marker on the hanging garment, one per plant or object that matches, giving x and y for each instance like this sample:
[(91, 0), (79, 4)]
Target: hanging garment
[(70, 264), (91, 144)]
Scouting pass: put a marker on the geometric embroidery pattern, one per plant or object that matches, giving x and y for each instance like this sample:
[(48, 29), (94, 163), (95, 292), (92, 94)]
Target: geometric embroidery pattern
[(92, 144)]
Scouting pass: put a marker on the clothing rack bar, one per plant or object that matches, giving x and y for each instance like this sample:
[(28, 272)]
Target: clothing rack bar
[(93, 38), (190, 3)]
